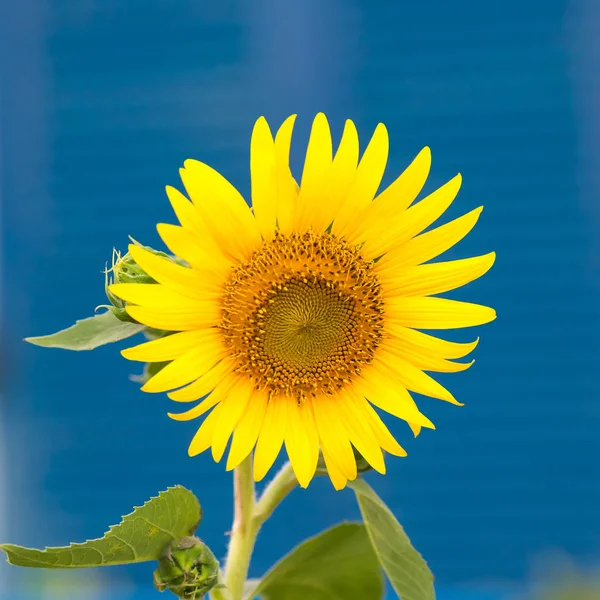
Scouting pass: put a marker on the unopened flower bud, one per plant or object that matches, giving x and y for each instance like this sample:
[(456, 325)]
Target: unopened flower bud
[(125, 270), (188, 568)]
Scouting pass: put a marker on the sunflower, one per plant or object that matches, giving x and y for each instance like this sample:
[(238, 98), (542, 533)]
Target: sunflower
[(296, 317)]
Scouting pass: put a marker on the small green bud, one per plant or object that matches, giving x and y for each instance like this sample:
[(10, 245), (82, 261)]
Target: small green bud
[(125, 270), (188, 568)]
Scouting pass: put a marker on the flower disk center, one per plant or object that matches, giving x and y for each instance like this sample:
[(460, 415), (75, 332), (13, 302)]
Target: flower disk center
[(303, 315)]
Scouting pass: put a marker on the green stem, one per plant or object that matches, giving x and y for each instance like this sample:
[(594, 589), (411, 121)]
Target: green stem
[(249, 516), (280, 486), (243, 532)]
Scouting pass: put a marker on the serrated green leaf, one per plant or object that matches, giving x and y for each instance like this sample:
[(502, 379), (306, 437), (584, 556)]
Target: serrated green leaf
[(338, 564), (405, 567), (139, 537), (89, 333)]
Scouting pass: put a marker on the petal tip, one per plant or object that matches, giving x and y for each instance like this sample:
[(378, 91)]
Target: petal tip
[(320, 120), (125, 353), (380, 469), (114, 288), (381, 129), (261, 127), (190, 163), (258, 475), (149, 388), (350, 125), (217, 453), (339, 486)]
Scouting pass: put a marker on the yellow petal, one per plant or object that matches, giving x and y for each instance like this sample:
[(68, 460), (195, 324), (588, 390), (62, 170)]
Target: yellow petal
[(172, 346), (263, 177), (360, 433), (191, 283), (382, 433), (234, 406), (338, 479), (393, 201), (155, 295), (422, 359), (200, 253), (212, 191), (367, 180), (271, 437), (379, 385), (400, 194), (428, 245), (287, 188), (204, 436), (205, 384), (333, 435), (314, 186), (186, 368), (198, 410), (205, 405), (414, 379), (247, 430), (341, 177), (371, 167), (428, 344), (413, 221), (186, 213), (436, 278), (302, 440), (437, 313), (176, 319), (416, 429), (223, 210)]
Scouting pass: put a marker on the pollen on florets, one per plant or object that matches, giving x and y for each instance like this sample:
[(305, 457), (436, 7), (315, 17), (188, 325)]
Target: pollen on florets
[(303, 315)]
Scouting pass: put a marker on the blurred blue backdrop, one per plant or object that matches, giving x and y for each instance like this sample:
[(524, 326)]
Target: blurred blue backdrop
[(101, 103)]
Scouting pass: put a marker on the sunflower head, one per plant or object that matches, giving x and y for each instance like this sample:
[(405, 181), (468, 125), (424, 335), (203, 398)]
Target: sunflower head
[(303, 315), (296, 317)]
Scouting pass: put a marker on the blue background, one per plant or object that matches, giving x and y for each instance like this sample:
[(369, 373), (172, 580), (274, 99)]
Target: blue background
[(101, 103)]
